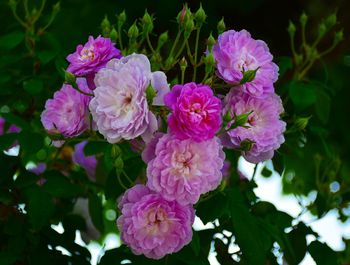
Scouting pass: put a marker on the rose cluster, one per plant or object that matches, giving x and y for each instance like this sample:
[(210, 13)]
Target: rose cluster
[(236, 54), (184, 161)]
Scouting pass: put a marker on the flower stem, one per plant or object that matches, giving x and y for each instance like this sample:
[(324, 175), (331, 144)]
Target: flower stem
[(196, 55)]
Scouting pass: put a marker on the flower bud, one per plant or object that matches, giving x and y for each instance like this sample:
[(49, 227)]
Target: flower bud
[(200, 16), (119, 163), (113, 35), (338, 37), (183, 64), (248, 76), (69, 78), (121, 19), (189, 27), (331, 20), (209, 61), (13, 4), (56, 8), (291, 29), (184, 15), (221, 26), (303, 19), (301, 123), (147, 23), (227, 117), (115, 151), (133, 31), (163, 38), (150, 94), (322, 29), (210, 42), (105, 26), (242, 119)]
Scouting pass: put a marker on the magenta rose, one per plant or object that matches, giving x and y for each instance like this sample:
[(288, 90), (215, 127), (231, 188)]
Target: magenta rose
[(196, 112)]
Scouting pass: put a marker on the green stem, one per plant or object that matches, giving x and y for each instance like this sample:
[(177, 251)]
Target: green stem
[(150, 44), (189, 54), (293, 47), (120, 182), (82, 92), (127, 177), (120, 37), (182, 75), (180, 51), (306, 69), (20, 21), (26, 10), (196, 55), (175, 43)]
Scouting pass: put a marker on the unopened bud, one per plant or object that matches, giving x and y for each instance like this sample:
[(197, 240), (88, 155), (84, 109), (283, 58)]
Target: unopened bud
[(189, 27), (301, 123), (242, 119), (163, 38), (147, 23), (183, 64), (291, 28), (221, 26), (210, 42), (119, 163), (115, 151), (150, 93), (121, 19), (13, 4), (331, 20), (200, 16), (56, 8), (322, 29), (227, 117), (184, 15), (113, 35), (209, 61), (105, 26), (69, 77), (303, 19), (133, 31), (248, 76), (338, 37)]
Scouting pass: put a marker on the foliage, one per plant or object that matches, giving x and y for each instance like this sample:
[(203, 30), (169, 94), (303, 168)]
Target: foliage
[(314, 157)]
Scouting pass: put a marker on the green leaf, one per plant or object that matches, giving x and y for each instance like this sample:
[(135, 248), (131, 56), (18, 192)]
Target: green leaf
[(195, 243), (112, 187), (95, 147), (33, 86), (30, 142), (96, 212), (246, 230), (322, 253), (266, 172), (302, 94), (59, 186), (12, 118), (284, 64), (47, 56), (11, 40), (218, 205), (323, 106), (40, 207), (7, 140), (297, 240)]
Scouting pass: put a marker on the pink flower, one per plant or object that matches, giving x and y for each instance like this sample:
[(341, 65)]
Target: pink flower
[(151, 225), (91, 57), (196, 112), (265, 129), (89, 163), (120, 107), (67, 113), (237, 52), (182, 170)]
